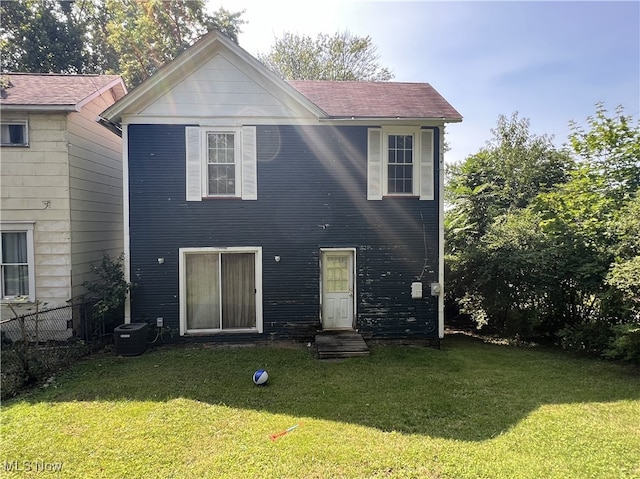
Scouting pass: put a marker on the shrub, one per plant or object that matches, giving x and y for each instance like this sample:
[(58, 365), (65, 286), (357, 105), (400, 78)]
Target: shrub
[(591, 337), (625, 343), (110, 289)]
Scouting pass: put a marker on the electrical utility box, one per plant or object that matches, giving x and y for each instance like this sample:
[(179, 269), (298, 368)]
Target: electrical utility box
[(130, 339), (416, 290)]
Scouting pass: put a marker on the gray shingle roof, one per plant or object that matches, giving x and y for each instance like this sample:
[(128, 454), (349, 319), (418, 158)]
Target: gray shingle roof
[(376, 99), (52, 90)]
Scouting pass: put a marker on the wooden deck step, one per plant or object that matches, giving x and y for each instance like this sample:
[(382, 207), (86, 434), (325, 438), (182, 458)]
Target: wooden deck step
[(340, 344)]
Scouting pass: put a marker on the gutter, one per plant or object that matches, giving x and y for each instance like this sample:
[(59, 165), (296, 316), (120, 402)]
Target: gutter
[(111, 126), (46, 108), (391, 118)]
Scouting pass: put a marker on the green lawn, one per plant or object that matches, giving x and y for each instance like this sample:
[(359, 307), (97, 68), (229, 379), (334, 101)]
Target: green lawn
[(469, 410)]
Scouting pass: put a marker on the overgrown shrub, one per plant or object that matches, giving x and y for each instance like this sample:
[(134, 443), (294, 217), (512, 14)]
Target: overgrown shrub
[(43, 362), (110, 289), (625, 343), (591, 337)]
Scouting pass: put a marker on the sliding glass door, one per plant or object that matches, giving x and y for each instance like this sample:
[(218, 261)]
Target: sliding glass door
[(220, 290)]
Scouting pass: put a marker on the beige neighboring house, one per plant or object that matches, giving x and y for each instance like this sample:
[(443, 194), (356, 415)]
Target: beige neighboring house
[(61, 184)]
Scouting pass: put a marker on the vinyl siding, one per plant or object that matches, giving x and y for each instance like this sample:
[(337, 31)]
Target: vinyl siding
[(218, 89), (95, 179), (311, 194), (35, 187)]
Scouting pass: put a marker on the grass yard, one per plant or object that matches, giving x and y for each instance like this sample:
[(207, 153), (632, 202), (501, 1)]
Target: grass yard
[(469, 410)]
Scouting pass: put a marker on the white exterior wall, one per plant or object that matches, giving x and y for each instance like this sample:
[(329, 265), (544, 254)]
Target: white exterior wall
[(95, 179), (233, 92), (34, 183), (68, 183)]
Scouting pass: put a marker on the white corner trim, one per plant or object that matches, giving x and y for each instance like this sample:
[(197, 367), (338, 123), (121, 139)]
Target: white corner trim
[(125, 219), (441, 278)]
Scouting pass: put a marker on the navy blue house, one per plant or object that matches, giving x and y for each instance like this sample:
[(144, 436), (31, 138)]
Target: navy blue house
[(258, 208)]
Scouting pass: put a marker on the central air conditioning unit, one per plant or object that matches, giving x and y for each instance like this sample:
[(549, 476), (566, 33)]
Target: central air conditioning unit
[(130, 339)]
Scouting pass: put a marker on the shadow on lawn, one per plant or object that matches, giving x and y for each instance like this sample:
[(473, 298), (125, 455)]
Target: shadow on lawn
[(468, 390)]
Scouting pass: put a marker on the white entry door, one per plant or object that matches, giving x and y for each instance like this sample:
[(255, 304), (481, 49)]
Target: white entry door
[(337, 289)]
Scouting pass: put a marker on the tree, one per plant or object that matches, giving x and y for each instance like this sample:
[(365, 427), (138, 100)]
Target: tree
[(146, 35), (42, 36), (544, 242), (130, 37), (593, 215), (611, 146), (494, 245), (509, 172), (338, 57)]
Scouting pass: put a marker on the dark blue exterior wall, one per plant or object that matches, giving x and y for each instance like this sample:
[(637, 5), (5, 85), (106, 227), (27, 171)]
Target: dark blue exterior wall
[(312, 187)]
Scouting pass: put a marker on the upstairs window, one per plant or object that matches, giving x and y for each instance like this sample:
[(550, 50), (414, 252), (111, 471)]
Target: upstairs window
[(400, 162), (221, 163), (14, 133)]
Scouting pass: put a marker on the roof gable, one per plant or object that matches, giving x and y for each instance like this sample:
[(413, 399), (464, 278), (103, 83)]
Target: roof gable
[(56, 92), (191, 85), (221, 88), (217, 79)]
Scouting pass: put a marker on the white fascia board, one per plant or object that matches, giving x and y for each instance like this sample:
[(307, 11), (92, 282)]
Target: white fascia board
[(240, 121), (217, 121), (111, 85)]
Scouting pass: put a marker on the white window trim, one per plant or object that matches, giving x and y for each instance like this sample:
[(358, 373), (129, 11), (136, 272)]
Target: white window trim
[(24, 227), (24, 123), (424, 157), (257, 250), (237, 158), (245, 153), (398, 130)]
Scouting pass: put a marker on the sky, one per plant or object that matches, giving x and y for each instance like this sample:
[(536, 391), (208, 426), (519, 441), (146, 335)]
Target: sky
[(549, 61)]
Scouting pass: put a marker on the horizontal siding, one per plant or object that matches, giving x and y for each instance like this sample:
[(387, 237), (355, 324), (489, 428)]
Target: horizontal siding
[(34, 186), (311, 195), (96, 202), (218, 89)]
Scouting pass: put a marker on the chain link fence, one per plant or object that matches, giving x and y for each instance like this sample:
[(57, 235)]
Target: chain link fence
[(38, 343)]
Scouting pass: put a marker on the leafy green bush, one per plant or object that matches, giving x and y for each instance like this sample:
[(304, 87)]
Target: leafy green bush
[(591, 337), (110, 289), (625, 344)]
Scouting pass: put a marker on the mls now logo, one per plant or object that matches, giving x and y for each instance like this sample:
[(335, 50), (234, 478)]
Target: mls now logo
[(32, 466)]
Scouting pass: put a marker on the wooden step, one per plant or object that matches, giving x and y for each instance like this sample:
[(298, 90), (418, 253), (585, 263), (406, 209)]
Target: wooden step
[(340, 344)]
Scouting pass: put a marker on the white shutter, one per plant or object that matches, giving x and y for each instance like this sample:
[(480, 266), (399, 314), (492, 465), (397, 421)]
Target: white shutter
[(374, 165), (194, 164), (426, 165), (249, 164)]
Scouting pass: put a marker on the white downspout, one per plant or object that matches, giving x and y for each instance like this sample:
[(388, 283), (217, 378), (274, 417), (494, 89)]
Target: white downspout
[(125, 214), (441, 235)]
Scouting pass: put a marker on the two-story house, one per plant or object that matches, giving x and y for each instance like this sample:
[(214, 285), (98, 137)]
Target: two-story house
[(256, 207), (61, 197)]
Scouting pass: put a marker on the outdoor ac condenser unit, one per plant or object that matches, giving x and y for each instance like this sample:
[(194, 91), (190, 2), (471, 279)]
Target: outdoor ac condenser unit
[(130, 339)]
